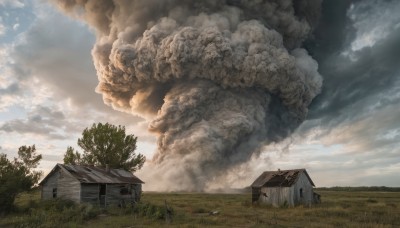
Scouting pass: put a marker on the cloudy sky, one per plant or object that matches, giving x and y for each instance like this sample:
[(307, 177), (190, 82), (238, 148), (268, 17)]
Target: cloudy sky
[(351, 136)]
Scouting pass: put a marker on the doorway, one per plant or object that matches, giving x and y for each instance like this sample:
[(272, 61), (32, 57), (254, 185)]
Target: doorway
[(102, 195)]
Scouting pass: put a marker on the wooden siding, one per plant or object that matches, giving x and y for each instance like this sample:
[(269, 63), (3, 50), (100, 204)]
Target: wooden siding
[(290, 196), (136, 191), (307, 189), (276, 196), (114, 196), (68, 187), (49, 185), (90, 193)]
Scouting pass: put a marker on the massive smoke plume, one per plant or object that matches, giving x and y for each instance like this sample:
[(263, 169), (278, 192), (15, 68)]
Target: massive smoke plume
[(217, 80)]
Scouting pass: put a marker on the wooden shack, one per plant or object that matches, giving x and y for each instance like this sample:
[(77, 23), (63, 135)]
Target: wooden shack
[(89, 184), (284, 187)]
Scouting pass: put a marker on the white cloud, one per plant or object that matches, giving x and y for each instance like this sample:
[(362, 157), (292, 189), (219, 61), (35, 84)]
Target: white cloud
[(3, 29), (12, 3), (16, 26)]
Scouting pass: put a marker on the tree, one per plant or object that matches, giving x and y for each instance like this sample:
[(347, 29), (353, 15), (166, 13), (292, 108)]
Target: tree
[(17, 175), (72, 157), (106, 144)]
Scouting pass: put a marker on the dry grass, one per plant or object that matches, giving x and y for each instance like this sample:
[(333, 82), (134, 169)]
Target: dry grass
[(338, 209)]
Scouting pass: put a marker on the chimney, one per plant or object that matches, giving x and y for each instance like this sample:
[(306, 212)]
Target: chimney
[(107, 168)]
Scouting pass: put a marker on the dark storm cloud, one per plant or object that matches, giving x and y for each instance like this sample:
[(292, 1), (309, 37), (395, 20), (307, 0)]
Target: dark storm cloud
[(217, 80), (373, 72), (358, 106), (334, 31), (354, 81)]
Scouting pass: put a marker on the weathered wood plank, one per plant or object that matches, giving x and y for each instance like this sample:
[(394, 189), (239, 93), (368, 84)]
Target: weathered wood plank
[(49, 185), (90, 193), (68, 187)]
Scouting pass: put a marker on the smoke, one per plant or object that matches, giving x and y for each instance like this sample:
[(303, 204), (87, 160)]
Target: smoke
[(217, 80)]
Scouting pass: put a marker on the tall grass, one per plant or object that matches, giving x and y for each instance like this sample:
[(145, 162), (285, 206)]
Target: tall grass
[(338, 209)]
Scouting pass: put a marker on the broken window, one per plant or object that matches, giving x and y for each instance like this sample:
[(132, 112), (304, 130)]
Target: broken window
[(124, 191), (54, 192), (301, 193)]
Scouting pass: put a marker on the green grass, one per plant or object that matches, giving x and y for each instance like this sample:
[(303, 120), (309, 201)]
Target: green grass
[(338, 209)]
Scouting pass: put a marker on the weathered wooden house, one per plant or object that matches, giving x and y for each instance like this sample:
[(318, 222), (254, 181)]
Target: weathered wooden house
[(89, 184), (284, 187)]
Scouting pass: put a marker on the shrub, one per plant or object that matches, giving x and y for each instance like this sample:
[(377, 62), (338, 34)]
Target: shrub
[(151, 211)]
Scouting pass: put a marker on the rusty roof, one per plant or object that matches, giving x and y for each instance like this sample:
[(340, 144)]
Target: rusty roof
[(91, 174), (280, 178)]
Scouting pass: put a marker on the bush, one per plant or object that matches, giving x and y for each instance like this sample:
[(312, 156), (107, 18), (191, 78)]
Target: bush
[(150, 211)]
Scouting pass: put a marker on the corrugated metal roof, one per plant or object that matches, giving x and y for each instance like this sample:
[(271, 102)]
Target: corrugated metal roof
[(280, 178), (91, 174)]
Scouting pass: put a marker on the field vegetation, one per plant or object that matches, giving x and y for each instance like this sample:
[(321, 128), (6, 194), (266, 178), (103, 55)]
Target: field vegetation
[(338, 209)]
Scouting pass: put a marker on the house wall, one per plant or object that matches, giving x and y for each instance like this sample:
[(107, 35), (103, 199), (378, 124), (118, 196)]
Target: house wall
[(137, 191), (90, 193), (68, 187), (114, 196), (276, 196), (49, 185), (307, 189)]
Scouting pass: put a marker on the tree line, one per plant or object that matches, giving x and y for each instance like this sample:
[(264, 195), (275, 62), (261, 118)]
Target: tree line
[(361, 189)]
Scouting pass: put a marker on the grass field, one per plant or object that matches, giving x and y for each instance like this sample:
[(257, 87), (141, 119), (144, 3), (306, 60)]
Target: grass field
[(338, 209)]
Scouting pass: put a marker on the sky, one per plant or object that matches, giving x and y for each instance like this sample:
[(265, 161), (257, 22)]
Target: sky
[(351, 136)]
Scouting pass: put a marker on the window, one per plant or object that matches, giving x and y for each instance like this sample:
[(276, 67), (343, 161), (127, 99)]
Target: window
[(102, 191), (301, 193), (102, 194), (124, 191), (54, 192)]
